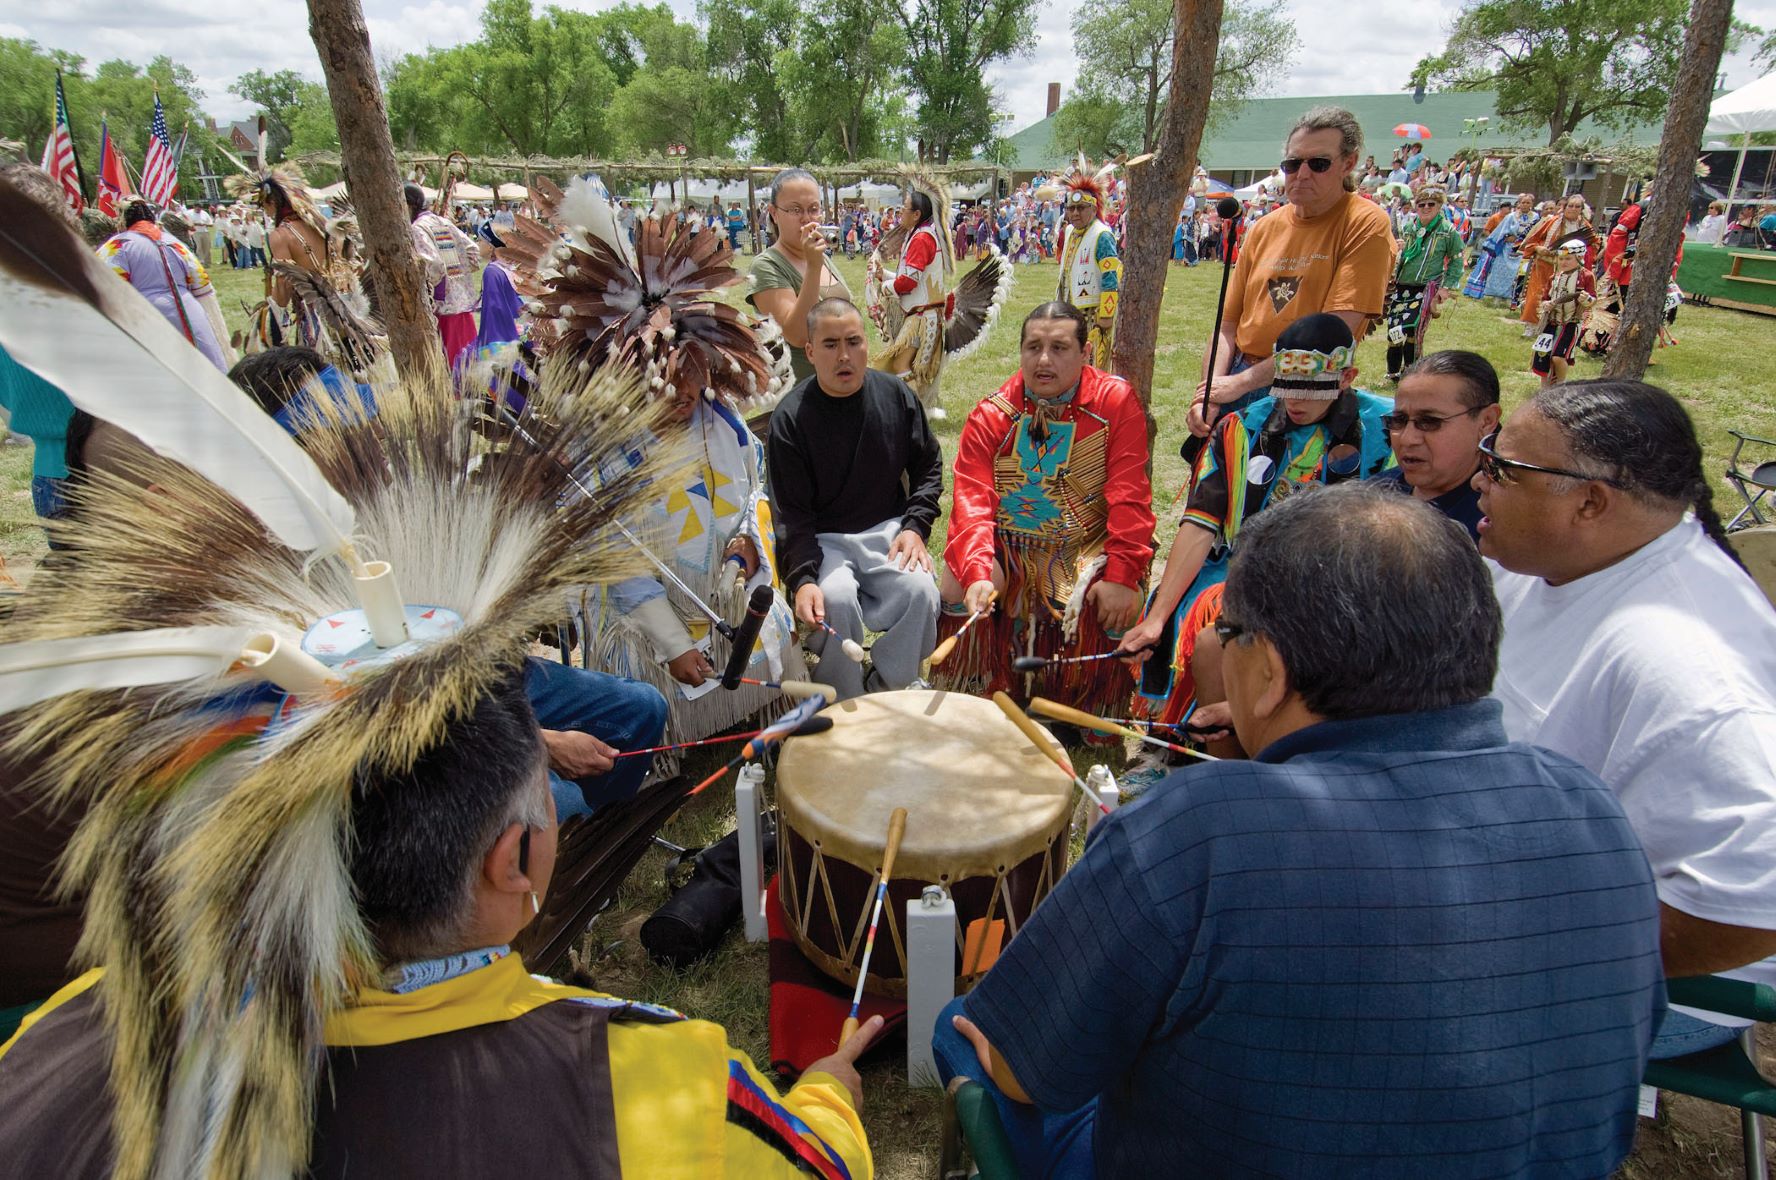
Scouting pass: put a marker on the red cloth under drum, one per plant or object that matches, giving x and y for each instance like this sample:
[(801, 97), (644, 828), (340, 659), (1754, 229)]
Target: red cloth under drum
[(808, 1007)]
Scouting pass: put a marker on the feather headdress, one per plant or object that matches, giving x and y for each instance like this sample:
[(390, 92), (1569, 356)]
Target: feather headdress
[(218, 811), (650, 307)]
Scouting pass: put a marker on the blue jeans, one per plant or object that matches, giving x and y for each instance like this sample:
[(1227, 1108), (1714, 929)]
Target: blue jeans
[(1047, 1145), (1240, 365), (1681, 1034), (49, 500), (623, 713)]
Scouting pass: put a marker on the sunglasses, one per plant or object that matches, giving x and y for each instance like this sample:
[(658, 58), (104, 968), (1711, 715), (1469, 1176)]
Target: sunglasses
[(1497, 468), (1292, 164), (1423, 423), (1427, 204)]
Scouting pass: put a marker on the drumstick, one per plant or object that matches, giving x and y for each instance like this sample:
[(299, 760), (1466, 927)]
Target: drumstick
[(1041, 742), (853, 650), (789, 688), (1105, 725), (1037, 663), (764, 739), (811, 725), (896, 829), (949, 645)]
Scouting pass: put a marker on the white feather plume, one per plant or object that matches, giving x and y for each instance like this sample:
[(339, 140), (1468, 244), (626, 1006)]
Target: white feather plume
[(36, 671), (68, 317), (587, 203)]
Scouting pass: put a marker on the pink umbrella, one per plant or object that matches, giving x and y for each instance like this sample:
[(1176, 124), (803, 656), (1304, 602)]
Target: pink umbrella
[(1413, 131)]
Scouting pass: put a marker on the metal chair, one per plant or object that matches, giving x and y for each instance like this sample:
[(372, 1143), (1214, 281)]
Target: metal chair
[(1754, 482), (1727, 1074)]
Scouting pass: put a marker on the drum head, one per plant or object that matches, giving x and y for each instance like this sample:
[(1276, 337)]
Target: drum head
[(978, 796), (1757, 549)]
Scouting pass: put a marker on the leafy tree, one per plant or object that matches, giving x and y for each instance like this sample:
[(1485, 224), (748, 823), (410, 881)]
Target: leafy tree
[(1556, 63), (845, 76), (1125, 55), (751, 45), (279, 95), (950, 43)]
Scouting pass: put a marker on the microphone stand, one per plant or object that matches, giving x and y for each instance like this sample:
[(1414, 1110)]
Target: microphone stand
[(1193, 445)]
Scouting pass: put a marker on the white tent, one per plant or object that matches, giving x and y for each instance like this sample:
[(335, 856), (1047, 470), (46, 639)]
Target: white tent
[(1748, 109), (464, 191)]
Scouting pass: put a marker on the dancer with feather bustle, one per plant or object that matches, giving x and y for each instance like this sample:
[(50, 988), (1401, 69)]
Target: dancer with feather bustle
[(304, 857), (650, 306), (927, 317), (316, 298)]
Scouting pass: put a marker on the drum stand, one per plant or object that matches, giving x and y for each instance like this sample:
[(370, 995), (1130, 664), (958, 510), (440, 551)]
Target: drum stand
[(749, 811)]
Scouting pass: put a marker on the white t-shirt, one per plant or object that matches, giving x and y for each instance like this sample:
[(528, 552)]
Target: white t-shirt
[(1659, 675)]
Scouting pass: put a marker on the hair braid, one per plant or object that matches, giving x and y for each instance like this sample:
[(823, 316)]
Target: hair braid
[(1711, 522)]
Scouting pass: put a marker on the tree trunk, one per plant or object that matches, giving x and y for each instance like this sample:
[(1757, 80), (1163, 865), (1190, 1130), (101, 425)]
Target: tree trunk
[(1156, 192), (367, 158), (1661, 227)]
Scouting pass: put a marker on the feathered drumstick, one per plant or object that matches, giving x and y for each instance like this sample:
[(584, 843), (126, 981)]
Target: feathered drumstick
[(896, 830), (1038, 663), (811, 725), (1086, 720), (1042, 742), (784, 726), (944, 649), (789, 688)]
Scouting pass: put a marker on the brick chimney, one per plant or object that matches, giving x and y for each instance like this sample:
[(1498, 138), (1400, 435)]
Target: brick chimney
[(1054, 97)]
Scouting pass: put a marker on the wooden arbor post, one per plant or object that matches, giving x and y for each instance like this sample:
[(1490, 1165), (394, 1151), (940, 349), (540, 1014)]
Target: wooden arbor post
[(1661, 227), (367, 158), (1156, 195)]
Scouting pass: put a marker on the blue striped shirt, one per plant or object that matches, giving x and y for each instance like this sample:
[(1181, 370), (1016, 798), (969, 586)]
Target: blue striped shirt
[(1380, 945)]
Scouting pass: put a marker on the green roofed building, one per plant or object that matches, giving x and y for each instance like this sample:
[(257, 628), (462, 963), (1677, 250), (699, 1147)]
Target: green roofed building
[(1249, 145)]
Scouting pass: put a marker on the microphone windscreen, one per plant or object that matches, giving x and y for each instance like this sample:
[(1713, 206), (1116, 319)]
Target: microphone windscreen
[(1227, 208), (745, 635)]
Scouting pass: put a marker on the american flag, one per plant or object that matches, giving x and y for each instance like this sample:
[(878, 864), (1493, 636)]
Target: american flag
[(59, 158), (160, 171)]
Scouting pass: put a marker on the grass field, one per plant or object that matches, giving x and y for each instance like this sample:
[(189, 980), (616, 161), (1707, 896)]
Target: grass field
[(1714, 370)]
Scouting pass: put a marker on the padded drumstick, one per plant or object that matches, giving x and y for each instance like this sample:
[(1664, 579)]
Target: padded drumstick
[(896, 829), (949, 645), (853, 650), (1104, 725), (1041, 741), (811, 725), (801, 689), (1037, 663)]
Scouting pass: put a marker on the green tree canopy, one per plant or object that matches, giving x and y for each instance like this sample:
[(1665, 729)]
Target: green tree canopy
[(1556, 63), (950, 43)]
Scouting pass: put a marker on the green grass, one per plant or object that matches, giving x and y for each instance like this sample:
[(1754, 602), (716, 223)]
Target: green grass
[(1712, 370)]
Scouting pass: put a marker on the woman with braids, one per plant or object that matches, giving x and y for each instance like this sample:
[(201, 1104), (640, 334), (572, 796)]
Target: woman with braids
[(1637, 645)]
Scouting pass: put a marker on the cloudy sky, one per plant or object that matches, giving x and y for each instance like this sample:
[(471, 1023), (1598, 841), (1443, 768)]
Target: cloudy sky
[(1375, 45)]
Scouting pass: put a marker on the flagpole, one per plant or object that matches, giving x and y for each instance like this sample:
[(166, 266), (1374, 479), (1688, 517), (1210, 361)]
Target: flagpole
[(79, 172)]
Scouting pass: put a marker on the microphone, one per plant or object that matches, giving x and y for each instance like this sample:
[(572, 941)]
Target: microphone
[(745, 635)]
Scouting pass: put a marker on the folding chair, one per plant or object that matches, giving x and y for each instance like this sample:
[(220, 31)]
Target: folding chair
[(1727, 1074), (971, 1128), (1754, 482)]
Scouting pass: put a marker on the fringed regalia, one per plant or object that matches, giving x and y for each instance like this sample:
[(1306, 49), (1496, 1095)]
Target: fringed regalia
[(1059, 497)]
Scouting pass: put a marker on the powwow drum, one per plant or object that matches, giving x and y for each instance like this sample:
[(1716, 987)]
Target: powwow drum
[(987, 818)]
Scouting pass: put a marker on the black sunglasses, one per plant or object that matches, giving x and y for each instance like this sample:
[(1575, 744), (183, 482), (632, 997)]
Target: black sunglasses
[(1423, 423), (1292, 164), (1494, 467)]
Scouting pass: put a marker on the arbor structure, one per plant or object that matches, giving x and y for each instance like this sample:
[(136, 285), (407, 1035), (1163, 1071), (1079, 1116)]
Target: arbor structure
[(1156, 193), (1706, 34)]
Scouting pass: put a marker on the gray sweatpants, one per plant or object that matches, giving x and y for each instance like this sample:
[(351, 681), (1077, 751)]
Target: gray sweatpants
[(864, 592)]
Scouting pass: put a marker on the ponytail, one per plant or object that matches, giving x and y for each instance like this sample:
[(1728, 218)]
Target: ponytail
[(1710, 521)]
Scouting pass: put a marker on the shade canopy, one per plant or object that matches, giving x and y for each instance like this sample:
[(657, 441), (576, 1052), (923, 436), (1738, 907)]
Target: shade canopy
[(1748, 109)]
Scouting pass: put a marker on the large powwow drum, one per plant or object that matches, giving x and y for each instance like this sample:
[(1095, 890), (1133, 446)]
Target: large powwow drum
[(987, 818)]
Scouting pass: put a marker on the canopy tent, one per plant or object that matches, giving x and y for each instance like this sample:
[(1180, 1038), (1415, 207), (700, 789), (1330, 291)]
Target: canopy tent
[(464, 191), (1746, 110)]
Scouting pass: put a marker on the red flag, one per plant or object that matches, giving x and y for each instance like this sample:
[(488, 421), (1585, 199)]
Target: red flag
[(114, 183), (59, 159), (160, 171)]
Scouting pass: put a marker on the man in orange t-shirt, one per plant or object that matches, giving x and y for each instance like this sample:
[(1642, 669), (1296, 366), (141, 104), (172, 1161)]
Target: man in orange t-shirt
[(1325, 251)]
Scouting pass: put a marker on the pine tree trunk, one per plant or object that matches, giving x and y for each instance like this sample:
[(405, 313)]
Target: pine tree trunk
[(367, 158), (1661, 227), (1156, 193)]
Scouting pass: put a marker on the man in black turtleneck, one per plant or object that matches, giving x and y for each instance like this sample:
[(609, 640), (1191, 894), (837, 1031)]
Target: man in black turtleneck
[(855, 477)]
